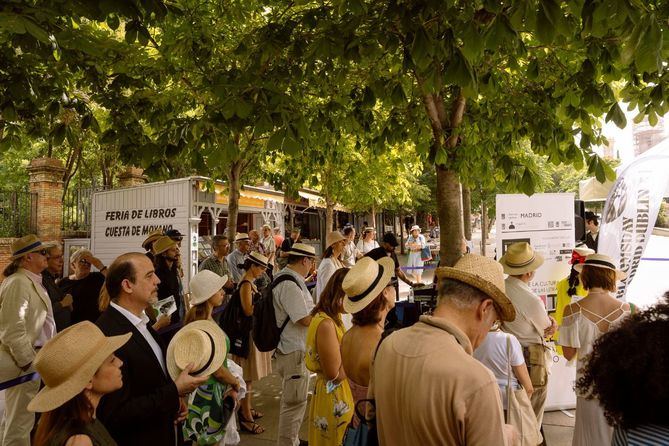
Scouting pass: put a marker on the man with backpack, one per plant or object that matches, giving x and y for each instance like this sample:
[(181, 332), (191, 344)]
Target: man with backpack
[(292, 306)]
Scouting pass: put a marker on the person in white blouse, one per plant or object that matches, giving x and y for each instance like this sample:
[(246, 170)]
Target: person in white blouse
[(368, 241), (416, 242), (351, 253), (331, 262)]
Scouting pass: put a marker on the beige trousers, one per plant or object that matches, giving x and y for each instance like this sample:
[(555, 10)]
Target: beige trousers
[(295, 378), (538, 400), (17, 422)]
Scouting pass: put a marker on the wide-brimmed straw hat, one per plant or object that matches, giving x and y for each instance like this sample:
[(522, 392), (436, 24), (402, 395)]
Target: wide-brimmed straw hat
[(26, 245), (369, 229), (205, 284), (520, 258), (301, 249), (163, 244), (333, 237), (201, 343), (152, 237), (485, 275), (258, 259), (601, 261), (415, 228), (68, 362), (242, 237), (365, 281)]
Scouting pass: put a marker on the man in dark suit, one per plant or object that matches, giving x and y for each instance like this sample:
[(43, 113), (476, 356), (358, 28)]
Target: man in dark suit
[(148, 408)]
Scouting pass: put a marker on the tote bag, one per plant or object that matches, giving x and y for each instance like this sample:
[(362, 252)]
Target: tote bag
[(519, 412)]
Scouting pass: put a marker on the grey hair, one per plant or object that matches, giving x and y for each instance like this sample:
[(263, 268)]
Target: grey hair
[(463, 296), (74, 258)]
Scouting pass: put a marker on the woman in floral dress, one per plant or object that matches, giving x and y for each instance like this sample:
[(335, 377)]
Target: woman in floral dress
[(332, 403)]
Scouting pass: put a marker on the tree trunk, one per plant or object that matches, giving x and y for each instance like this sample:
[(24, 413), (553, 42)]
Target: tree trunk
[(484, 225), (450, 215), (234, 188), (402, 233), (467, 211), (373, 225), (329, 215)]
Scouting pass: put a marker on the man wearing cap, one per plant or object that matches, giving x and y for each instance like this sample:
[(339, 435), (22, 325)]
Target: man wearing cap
[(592, 225), (532, 323), (148, 242), (236, 258), (26, 324), (428, 387), (166, 259), (293, 303)]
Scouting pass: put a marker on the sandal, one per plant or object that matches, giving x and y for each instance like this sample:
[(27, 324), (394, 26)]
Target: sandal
[(250, 426), (256, 415)]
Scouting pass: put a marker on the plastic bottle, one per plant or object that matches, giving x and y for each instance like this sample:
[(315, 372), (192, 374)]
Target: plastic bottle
[(411, 297)]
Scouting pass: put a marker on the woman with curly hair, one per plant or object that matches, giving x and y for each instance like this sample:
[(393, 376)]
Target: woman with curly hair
[(628, 372), (585, 321)]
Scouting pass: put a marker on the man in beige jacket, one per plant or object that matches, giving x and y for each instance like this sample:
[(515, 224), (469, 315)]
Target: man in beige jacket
[(428, 387), (26, 324)]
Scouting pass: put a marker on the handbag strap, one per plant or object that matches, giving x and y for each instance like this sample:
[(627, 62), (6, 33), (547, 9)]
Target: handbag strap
[(508, 376)]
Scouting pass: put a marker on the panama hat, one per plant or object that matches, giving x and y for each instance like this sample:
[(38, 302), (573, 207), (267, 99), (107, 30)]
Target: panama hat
[(163, 244), (365, 281), (579, 254), (601, 261), (258, 259), (520, 258), (485, 275), (242, 237), (205, 284), (201, 343), (415, 228), (333, 237), (368, 229), (26, 245), (152, 237), (68, 362), (79, 254), (301, 249), (266, 226)]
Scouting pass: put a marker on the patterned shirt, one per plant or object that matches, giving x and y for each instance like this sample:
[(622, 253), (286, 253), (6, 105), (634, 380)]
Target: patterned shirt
[(212, 263)]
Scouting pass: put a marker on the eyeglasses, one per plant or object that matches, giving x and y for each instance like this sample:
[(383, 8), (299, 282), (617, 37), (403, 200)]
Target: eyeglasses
[(44, 252), (84, 262)]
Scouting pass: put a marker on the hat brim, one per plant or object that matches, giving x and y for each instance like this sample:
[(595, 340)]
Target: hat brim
[(217, 284), (150, 239), (388, 266), (503, 303), (332, 242), (50, 398), (300, 254), (220, 346), (516, 271), (620, 275), (36, 248)]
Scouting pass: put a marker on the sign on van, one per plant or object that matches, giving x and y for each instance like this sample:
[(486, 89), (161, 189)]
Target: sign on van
[(129, 222)]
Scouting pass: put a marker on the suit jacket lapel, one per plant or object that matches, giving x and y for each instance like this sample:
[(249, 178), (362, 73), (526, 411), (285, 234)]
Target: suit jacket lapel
[(42, 293)]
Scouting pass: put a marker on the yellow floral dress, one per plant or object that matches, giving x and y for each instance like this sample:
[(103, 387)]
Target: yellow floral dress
[(329, 413)]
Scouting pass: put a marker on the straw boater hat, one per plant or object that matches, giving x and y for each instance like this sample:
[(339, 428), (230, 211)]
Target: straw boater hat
[(333, 237), (205, 284), (163, 244), (365, 281), (601, 261), (484, 274), (201, 343), (301, 249), (415, 228), (242, 237), (368, 229), (68, 362), (579, 254), (258, 259), (152, 237), (520, 258), (26, 245)]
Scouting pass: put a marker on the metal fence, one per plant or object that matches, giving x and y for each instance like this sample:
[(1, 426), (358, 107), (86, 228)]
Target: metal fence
[(18, 213), (78, 208)]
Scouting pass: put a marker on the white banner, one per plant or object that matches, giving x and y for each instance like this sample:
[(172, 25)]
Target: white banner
[(630, 213)]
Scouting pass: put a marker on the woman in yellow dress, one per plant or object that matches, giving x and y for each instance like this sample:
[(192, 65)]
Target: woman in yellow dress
[(332, 403)]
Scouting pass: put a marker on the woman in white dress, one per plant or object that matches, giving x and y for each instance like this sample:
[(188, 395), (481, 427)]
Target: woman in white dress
[(368, 241), (331, 262), (416, 242), (584, 321)]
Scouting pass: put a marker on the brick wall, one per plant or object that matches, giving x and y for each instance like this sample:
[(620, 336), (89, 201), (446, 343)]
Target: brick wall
[(5, 253), (46, 179)]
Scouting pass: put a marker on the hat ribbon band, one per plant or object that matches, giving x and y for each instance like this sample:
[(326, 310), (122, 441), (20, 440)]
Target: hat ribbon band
[(211, 356), (256, 261), (518, 265), (301, 251), (369, 288), (27, 248), (600, 262)]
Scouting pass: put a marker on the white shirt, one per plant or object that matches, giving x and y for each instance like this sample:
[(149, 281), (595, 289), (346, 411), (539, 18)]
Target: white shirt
[(49, 327), (296, 303), (326, 269), (531, 316), (140, 323), (365, 247), (492, 354), (349, 254)]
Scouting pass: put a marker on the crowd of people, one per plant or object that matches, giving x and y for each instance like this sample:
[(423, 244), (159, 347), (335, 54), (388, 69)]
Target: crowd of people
[(473, 372)]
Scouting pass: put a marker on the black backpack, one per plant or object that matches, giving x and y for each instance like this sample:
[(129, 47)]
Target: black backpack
[(266, 334)]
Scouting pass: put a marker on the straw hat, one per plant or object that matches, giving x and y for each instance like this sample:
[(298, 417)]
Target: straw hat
[(205, 284), (601, 261), (301, 249), (415, 228), (583, 251), (258, 259), (26, 245), (266, 226), (155, 235), (242, 237), (201, 343), (368, 229), (365, 281), (520, 258), (163, 244), (485, 275), (68, 362), (333, 237), (79, 254)]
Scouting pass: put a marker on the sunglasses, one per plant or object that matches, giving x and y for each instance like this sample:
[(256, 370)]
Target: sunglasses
[(84, 262), (44, 252)]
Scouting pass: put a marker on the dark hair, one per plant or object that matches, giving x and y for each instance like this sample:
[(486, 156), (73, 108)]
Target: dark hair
[(348, 230), (328, 252), (591, 216), (596, 277), (292, 259), (121, 269), (371, 314), (248, 263), (199, 312), (218, 238), (331, 300), (573, 281), (628, 368), (71, 416), (13, 267)]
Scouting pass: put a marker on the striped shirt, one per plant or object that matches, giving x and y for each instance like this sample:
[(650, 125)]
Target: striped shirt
[(646, 435)]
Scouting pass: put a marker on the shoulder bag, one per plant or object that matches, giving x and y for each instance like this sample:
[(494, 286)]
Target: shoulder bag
[(519, 412)]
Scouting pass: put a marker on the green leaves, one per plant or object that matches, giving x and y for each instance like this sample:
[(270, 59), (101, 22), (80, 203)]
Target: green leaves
[(644, 45), (460, 72), (421, 49), (616, 115), (600, 169)]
